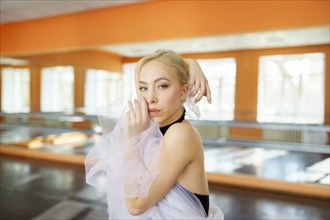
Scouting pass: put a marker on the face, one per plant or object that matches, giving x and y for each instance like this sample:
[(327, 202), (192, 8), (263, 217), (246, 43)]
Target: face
[(158, 84)]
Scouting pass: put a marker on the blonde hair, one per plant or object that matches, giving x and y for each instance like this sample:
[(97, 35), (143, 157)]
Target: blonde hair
[(170, 58)]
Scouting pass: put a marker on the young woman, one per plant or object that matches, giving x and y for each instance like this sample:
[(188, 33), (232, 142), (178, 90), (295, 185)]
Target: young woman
[(153, 159)]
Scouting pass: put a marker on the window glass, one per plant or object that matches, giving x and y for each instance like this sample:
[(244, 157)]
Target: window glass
[(16, 91), (291, 88), (221, 74), (102, 89), (57, 89), (128, 78)]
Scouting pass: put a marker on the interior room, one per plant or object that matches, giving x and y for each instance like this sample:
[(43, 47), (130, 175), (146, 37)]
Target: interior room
[(266, 135)]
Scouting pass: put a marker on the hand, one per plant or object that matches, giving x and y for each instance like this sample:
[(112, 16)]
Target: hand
[(137, 117), (198, 81)]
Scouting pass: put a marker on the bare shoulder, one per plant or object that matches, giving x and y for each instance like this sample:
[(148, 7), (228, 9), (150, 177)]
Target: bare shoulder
[(183, 133), (181, 141)]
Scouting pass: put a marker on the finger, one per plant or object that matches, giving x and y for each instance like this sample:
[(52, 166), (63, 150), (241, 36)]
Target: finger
[(137, 110), (196, 87), (198, 97), (127, 116), (208, 94), (191, 79), (144, 108), (201, 92), (131, 111)]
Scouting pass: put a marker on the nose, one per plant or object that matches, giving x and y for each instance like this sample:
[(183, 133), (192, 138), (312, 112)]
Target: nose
[(151, 97)]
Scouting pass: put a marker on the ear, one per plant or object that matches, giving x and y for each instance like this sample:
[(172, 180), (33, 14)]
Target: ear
[(184, 92)]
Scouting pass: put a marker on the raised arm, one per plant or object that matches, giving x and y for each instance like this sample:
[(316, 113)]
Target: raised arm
[(198, 81)]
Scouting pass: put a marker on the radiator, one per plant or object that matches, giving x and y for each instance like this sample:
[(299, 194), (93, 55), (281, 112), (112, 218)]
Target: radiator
[(212, 131), (282, 135)]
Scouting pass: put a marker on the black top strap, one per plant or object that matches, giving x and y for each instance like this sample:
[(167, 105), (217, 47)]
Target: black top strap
[(164, 129)]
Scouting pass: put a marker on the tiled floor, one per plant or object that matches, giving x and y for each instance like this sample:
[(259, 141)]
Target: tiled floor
[(39, 190), (293, 166)]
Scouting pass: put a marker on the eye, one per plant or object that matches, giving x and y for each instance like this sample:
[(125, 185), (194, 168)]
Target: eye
[(163, 86), (142, 88)]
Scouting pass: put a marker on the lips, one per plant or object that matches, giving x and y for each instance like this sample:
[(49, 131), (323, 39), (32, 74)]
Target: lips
[(153, 112)]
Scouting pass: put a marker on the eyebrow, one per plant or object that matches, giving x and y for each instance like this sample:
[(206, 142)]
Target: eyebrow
[(156, 80)]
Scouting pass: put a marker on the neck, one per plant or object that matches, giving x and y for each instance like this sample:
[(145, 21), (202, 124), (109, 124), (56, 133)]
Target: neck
[(174, 116), (163, 129)]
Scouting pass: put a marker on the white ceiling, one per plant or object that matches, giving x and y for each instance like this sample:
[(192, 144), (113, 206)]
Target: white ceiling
[(254, 40), (18, 10)]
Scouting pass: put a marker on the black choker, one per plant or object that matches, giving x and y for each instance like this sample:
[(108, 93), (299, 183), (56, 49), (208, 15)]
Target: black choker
[(164, 129)]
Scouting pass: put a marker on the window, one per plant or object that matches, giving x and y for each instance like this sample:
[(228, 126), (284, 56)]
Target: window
[(102, 89), (128, 74), (291, 88), (57, 89), (221, 74), (16, 91)]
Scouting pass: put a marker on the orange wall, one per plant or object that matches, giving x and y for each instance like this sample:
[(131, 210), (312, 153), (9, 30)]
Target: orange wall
[(158, 20), (80, 59), (35, 87), (247, 82)]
